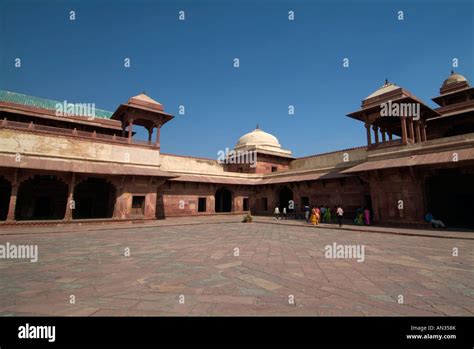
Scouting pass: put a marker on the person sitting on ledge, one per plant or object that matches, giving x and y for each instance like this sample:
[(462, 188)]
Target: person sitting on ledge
[(435, 223)]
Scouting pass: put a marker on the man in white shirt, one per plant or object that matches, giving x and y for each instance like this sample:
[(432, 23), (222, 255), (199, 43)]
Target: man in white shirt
[(339, 214), (277, 213)]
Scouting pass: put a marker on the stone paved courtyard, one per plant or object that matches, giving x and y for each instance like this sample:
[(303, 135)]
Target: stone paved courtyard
[(193, 270)]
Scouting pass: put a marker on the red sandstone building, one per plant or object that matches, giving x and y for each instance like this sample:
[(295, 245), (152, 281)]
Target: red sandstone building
[(73, 168)]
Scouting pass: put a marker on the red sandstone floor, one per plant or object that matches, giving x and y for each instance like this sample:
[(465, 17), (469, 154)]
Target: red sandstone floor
[(192, 260)]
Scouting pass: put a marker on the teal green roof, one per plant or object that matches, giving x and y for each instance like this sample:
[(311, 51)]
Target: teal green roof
[(42, 103)]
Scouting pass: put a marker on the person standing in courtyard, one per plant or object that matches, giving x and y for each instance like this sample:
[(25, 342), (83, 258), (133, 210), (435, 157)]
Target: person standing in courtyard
[(306, 213), (358, 216), (314, 219), (339, 214), (284, 213), (277, 213), (318, 215), (327, 215), (367, 216), (322, 211)]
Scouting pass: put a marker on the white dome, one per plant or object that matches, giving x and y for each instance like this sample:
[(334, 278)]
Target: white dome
[(454, 77), (258, 137), (261, 141)]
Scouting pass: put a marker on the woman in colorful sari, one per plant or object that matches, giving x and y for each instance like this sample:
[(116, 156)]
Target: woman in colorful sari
[(359, 217), (314, 217), (327, 215), (367, 216)]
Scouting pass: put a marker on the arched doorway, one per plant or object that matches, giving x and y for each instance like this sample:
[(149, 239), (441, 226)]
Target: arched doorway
[(449, 198), (223, 200), (5, 192), (285, 194), (94, 198), (42, 197)]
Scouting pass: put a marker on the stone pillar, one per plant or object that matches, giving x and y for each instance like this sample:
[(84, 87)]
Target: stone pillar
[(130, 126), (404, 129), (119, 207), (410, 129), (13, 197), (390, 136), (383, 135), (423, 133), (376, 133), (418, 132), (150, 205), (70, 204), (12, 205), (369, 138), (158, 128), (150, 133)]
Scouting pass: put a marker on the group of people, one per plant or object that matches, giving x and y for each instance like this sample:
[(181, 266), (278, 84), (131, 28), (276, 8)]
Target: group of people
[(362, 216), (316, 215), (280, 215), (323, 214)]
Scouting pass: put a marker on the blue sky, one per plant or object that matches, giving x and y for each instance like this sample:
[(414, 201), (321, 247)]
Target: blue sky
[(282, 62)]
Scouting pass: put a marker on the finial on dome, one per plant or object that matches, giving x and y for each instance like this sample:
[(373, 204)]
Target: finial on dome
[(386, 81), (452, 71), (257, 128)]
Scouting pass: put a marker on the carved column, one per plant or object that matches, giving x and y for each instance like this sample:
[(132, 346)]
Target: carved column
[(157, 142), (150, 134), (369, 137), (423, 133), (376, 133), (404, 129), (13, 197), (410, 129), (130, 126), (418, 131), (70, 204)]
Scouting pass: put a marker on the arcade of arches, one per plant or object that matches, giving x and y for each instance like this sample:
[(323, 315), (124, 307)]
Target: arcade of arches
[(45, 197), (48, 197)]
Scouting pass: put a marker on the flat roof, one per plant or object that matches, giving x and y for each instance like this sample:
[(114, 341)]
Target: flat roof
[(81, 166), (414, 160)]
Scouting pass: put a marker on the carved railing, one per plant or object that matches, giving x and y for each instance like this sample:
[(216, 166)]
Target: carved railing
[(386, 144), (72, 133)]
